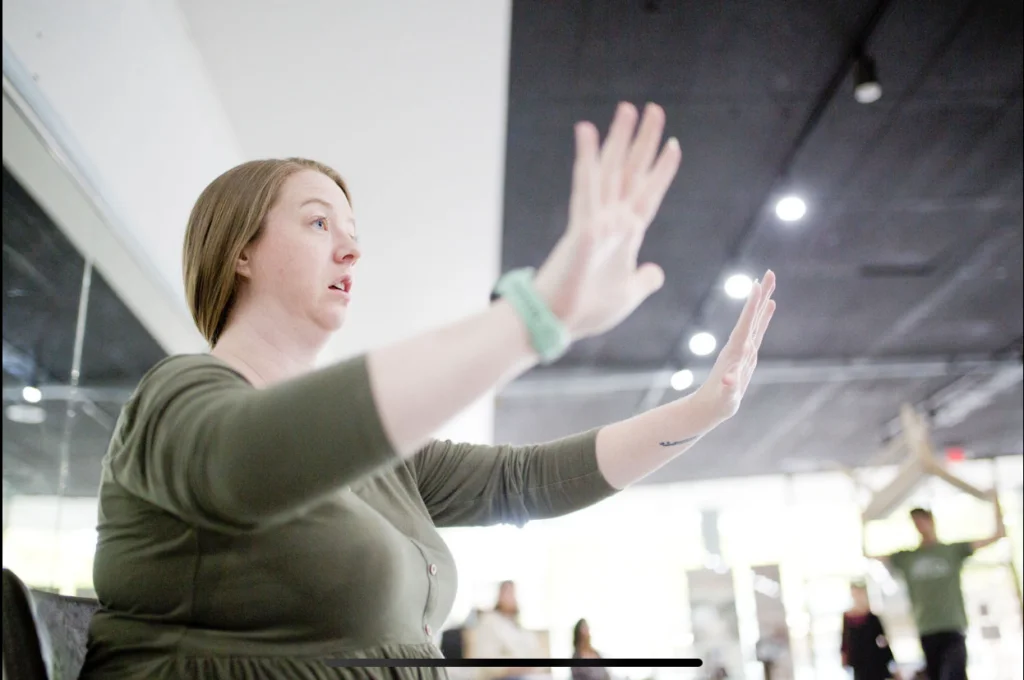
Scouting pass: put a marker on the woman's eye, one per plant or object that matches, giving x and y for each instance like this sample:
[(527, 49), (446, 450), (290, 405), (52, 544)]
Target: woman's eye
[(320, 223)]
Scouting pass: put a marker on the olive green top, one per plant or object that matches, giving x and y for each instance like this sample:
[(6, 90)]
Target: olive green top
[(254, 533)]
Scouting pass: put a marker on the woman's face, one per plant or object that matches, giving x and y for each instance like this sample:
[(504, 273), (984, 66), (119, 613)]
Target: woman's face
[(507, 598), (860, 597), (300, 267)]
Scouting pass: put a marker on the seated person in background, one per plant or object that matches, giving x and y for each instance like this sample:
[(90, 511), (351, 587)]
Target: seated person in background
[(498, 635), (583, 649), (865, 647)]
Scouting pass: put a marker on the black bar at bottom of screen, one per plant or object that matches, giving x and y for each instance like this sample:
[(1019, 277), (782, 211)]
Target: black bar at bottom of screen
[(514, 663)]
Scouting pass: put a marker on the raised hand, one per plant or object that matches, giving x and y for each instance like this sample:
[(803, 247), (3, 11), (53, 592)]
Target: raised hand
[(591, 280), (723, 391)]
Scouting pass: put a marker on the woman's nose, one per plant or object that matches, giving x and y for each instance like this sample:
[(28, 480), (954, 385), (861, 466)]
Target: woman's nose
[(347, 251)]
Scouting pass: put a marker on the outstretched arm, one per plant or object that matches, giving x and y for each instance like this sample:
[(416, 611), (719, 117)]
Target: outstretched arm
[(1000, 526), (464, 484), (629, 450)]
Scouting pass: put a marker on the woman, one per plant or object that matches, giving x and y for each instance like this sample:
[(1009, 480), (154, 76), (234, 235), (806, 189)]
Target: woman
[(498, 635), (257, 516), (865, 648), (583, 649)]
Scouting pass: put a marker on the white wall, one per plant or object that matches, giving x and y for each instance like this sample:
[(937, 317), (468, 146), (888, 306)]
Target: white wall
[(134, 99), (407, 100)]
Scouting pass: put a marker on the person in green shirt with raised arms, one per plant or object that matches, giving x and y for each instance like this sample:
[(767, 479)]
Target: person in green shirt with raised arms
[(932, 574), (260, 517)]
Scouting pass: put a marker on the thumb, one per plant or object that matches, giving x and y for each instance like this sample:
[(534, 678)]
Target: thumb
[(647, 280)]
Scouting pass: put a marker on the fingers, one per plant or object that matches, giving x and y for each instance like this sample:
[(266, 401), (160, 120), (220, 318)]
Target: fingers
[(762, 323), (744, 325), (613, 153), (585, 174), (750, 361), (633, 167), (769, 284), (645, 148), (761, 326), (647, 199), (767, 288), (746, 337)]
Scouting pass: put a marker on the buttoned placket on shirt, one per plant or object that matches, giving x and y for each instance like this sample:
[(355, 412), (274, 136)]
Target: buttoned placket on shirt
[(431, 604)]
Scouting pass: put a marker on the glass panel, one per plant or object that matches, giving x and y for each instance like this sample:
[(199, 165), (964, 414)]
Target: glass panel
[(58, 423), (42, 275)]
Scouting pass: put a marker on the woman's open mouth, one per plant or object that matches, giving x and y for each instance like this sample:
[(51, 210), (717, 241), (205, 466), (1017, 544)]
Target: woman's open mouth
[(342, 287)]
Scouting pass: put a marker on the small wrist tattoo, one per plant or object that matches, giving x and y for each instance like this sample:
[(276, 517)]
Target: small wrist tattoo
[(679, 443)]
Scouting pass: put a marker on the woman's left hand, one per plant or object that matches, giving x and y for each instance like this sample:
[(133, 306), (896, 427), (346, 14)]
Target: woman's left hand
[(723, 391)]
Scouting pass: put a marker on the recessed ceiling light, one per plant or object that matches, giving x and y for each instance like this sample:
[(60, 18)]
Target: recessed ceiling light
[(32, 395), (868, 93), (703, 344), (681, 380), (790, 208), (738, 286)]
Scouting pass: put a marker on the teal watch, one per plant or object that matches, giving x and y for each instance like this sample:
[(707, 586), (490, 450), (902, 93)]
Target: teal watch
[(548, 335)]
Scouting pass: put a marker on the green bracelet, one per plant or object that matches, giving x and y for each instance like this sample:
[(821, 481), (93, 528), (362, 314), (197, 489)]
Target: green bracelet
[(548, 335)]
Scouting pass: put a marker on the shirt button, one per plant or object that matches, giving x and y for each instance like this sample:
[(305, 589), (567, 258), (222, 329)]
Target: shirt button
[(433, 569), (428, 630)]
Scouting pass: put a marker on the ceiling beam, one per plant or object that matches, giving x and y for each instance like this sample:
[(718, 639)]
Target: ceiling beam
[(954, 403), (592, 382)]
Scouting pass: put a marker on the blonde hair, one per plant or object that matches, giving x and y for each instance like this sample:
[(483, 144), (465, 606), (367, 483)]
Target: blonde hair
[(226, 218)]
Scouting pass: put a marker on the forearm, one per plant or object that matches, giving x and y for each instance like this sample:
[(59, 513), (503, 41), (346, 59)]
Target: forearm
[(421, 383), (629, 450), (1000, 531)]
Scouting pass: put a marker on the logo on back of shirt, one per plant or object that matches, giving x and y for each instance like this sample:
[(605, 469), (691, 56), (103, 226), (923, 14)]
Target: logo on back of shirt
[(928, 567)]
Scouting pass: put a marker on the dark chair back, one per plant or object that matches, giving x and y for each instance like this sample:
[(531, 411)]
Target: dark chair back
[(26, 656), (67, 622), (44, 634), (451, 643)]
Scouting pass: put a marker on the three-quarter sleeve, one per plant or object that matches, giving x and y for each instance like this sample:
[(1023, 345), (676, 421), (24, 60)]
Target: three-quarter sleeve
[(198, 441), (474, 485)]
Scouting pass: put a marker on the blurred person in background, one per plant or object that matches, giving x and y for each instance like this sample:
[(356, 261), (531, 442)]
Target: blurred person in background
[(582, 648), (259, 515), (865, 647), (498, 634), (932, 572)]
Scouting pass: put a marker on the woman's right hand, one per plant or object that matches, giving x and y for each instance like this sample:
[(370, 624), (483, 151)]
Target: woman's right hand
[(591, 280)]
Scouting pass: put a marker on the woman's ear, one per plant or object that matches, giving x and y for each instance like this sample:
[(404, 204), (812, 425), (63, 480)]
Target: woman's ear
[(243, 267)]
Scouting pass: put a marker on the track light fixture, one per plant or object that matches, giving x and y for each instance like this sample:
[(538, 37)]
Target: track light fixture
[(866, 88)]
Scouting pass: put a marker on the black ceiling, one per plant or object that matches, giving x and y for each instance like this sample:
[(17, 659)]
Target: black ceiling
[(912, 246)]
